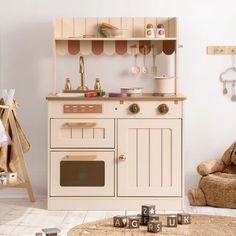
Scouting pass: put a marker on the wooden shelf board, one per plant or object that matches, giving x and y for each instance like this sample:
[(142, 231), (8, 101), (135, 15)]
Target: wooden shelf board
[(114, 39), (52, 97), (17, 184)]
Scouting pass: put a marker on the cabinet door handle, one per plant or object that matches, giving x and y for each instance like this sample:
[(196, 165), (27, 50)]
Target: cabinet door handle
[(81, 124), (81, 157), (122, 158)]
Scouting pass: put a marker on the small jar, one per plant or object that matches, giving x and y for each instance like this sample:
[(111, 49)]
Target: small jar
[(160, 31), (67, 84), (149, 31), (97, 85)]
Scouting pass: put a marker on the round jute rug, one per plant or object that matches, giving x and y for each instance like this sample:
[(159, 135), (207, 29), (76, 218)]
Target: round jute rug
[(202, 225)]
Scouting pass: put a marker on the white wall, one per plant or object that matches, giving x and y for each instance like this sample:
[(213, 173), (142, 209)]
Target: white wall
[(26, 64)]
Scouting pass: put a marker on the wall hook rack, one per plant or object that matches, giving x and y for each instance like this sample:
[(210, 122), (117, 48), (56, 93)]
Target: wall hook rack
[(221, 50)]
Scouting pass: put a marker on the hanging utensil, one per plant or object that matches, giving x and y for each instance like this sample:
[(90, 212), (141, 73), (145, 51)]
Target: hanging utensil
[(135, 69), (233, 98), (225, 90), (153, 68), (144, 68)]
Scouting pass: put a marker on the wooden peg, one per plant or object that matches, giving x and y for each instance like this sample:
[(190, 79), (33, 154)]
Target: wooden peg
[(184, 218), (154, 226), (119, 221)]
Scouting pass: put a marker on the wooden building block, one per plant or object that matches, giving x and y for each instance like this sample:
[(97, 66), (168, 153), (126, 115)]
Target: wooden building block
[(119, 221), (184, 218), (154, 217), (143, 219), (154, 226), (51, 231), (172, 221), (133, 222), (148, 210)]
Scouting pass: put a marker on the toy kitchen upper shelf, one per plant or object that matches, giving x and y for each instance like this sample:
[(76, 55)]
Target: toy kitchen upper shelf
[(69, 35), (113, 39)]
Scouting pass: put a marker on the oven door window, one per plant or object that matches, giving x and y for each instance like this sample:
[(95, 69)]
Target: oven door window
[(82, 173)]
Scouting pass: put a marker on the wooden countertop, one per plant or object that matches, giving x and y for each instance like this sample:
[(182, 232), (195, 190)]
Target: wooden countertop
[(144, 97)]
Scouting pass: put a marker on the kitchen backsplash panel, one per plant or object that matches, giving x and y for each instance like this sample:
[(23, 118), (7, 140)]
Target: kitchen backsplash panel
[(114, 71)]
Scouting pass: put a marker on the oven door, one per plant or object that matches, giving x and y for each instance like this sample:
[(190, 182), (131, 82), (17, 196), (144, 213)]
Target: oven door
[(82, 174)]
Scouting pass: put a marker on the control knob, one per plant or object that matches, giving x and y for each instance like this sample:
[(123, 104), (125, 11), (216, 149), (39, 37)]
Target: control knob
[(163, 109), (134, 108)]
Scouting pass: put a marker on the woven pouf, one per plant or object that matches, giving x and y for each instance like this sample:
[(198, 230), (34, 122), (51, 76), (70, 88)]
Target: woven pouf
[(202, 225)]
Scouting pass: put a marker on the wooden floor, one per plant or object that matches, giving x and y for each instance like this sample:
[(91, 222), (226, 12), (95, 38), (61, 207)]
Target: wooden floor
[(18, 217)]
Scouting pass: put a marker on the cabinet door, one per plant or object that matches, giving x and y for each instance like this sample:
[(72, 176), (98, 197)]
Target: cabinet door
[(151, 163)]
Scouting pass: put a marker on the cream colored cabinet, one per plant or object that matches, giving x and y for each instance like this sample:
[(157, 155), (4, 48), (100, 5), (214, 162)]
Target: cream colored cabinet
[(118, 159), (149, 157)]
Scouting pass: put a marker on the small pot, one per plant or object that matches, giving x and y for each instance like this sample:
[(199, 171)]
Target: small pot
[(164, 86)]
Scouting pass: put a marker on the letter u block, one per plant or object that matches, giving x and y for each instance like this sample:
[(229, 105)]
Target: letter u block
[(172, 221)]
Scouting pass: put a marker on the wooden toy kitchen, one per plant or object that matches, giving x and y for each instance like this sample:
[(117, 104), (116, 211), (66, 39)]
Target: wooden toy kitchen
[(115, 149)]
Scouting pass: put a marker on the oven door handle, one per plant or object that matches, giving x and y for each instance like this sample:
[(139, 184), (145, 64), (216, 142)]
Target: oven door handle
[(81, 124), (81, 157)]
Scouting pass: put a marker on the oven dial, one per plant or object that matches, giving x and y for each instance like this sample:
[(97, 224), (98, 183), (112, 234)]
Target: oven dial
[(163, 109), (134, 108)]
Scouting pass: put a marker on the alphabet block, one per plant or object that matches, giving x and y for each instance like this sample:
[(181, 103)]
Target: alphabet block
[(154, 226), (154, 217), (172, 221), (144, 220), (134, 222), (51, 231), (119, 221), (148, 210), (184, 218)]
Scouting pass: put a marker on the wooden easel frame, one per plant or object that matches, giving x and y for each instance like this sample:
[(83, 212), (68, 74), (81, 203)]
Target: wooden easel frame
[(9, 116)]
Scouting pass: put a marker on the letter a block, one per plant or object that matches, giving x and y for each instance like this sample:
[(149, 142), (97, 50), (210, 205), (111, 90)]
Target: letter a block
[(172, 221), (148, 210), (184, 219), (119, 221), (134, 222), (154, 226)]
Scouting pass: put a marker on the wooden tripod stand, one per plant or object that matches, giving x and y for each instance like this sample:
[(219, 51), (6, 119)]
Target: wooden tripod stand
[(8, 116)]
